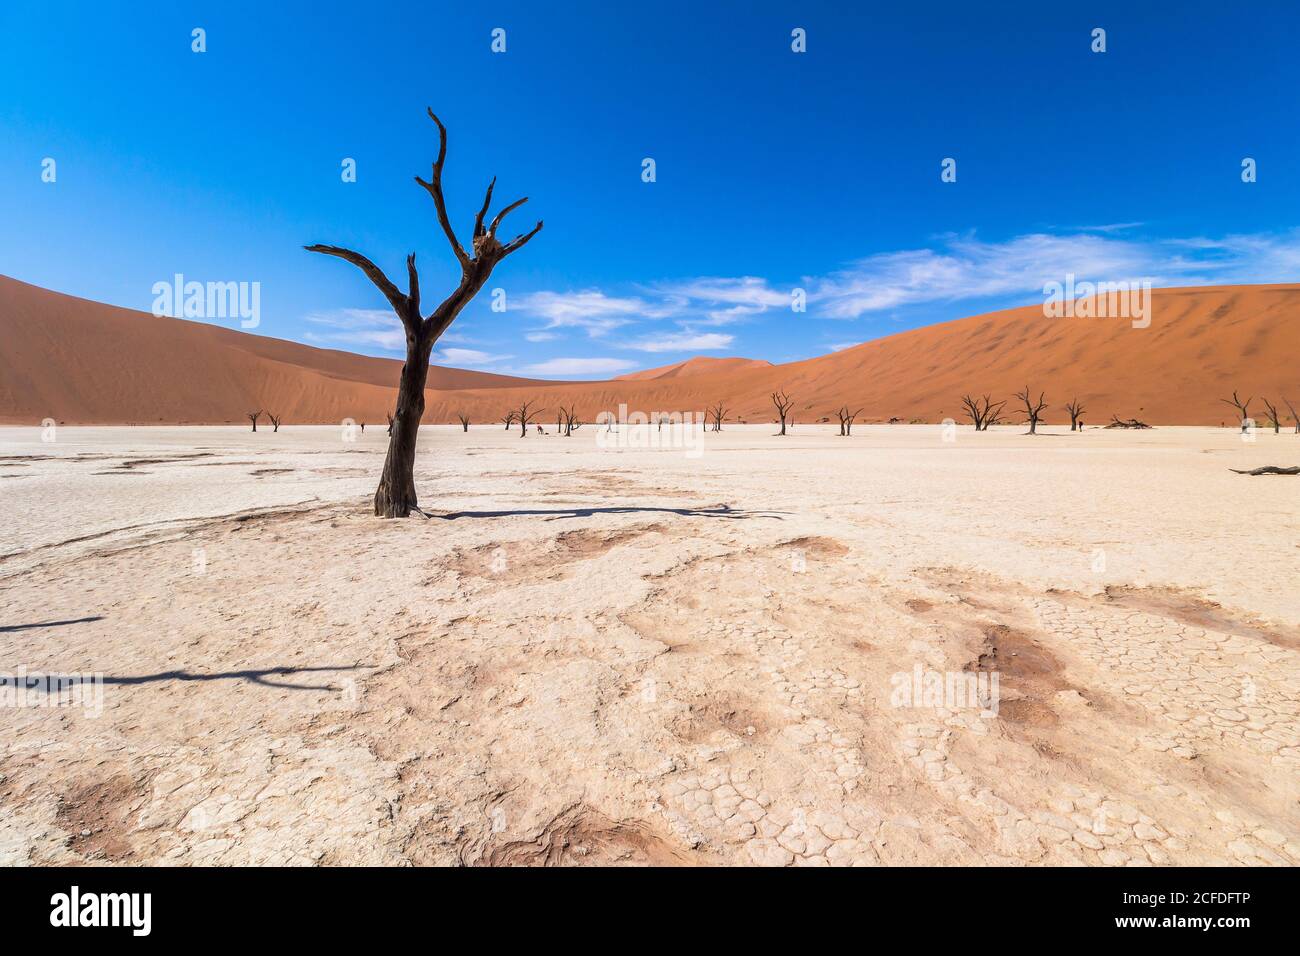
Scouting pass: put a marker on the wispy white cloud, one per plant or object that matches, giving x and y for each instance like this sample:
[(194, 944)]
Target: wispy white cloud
[(967, 268), (590, 310), (681, 342), (468, 358), (714, 300), (580, 366), (377, 328), (542, 336)]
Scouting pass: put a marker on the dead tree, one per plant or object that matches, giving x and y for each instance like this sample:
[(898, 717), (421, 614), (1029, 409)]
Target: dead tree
[(1075, 410), (508, 419), (1243, 408), (846, 418), (275, 421), (783, 403), (568, 422), (1032, 409), (253, 417), (717, 412), (1294, 417), (464, 421), (982, 412), (524, 415), (390, 423), (395, 497), (1270, 411), (1269, 470)]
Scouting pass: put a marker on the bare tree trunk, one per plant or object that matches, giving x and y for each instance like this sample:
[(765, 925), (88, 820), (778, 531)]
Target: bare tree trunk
[(395, 497)]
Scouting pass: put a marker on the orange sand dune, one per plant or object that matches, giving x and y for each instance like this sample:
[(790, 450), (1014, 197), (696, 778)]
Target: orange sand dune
[(83, 362)]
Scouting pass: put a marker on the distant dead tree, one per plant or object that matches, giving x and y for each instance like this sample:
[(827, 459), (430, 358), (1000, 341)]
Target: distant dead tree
[(1032, 409), (783, 403), (1294, 417), (1075, 409), (395, 497), (253, 417), (1270, 411), (568, 422), (846, 418), (275, 421), (717, 412), (390, 423), (508, 419), (525, 414), (982, 412), (464, 421), (1243, 408)]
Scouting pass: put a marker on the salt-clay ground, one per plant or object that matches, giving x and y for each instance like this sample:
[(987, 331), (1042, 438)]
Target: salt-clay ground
[(592, 655)]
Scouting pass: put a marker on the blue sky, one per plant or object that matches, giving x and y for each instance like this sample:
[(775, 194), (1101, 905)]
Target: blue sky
[(775, 170)]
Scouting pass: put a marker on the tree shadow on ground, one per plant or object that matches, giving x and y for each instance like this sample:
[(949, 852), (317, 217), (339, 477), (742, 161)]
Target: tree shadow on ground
[(552, 514), (9, 628), (252, 676)]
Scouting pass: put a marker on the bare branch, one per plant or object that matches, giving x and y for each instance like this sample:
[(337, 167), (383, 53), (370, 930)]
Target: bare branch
[(1270, 470), (376, 275), (492, 229), (413, 280), (434, 188), (518, 241), (487, 201)]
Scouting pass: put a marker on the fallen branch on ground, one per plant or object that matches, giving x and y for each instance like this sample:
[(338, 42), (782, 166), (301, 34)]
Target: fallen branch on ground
[(1269, 470), (1126, 423)]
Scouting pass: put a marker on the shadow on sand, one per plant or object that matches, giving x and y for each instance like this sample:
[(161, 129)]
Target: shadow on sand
[(252, 676), (9, 628), (552, 514)]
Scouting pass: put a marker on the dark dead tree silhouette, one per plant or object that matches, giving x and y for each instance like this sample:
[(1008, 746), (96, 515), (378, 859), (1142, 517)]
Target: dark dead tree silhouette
[(974, 410), (568, 422), (253, 417), (717, 412), (1075, 409), (982, 412), (1033, 409), (508, 419), (1294, 417), (846, 418), (275, 421), (390, 423), (1270, 411), (525, 415), (395, 497), (783, 403), (1243, 408), (464, 421)]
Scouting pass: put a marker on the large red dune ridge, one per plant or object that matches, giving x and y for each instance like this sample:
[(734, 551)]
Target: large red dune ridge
[(83, 362)]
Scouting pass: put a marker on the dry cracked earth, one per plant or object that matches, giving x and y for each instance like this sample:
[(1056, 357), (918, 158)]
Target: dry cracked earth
[(581, 659)]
